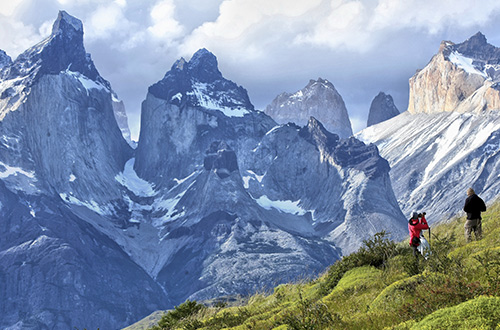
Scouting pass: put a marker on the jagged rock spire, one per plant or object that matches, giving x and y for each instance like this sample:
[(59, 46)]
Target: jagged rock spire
[(62, 50), (381, 109), (199, 83)]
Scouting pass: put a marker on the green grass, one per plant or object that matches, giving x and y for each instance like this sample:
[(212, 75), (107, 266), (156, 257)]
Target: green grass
[(382, 286)]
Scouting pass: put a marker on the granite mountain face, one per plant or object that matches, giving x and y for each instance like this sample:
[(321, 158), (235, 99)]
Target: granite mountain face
[(448, 140), (319, 99), (217, 199)]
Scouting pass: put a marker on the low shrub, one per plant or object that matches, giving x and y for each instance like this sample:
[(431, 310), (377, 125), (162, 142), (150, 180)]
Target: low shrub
[(479, 313)]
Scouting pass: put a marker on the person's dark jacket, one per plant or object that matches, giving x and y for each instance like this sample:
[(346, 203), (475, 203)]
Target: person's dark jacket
[(474, 205)]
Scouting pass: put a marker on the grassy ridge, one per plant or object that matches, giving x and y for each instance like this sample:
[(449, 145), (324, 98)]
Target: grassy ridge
[(382, 286)]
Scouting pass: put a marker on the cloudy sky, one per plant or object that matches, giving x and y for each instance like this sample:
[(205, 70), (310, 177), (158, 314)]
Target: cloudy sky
[(267, 46)]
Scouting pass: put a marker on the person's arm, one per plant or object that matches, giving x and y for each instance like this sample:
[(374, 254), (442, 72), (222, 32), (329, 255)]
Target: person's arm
[(422, 226), (466, 205)]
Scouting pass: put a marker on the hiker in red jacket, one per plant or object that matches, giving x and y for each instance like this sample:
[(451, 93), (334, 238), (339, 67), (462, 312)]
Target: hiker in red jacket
[(415, 226)]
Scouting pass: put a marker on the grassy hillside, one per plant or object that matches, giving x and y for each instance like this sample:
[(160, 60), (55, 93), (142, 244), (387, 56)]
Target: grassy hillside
[(382, 286)]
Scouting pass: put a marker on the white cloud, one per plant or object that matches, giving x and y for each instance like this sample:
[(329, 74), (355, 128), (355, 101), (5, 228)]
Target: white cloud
[(249, 27), (106, 19), (164, 23), (430, 15), (25, 36), (7, 8), (342, 23)]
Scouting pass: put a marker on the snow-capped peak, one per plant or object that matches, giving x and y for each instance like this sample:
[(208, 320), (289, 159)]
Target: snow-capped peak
[(199, 83)]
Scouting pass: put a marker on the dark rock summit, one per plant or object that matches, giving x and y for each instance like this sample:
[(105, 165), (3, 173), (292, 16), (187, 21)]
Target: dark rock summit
[(199, 83), (381, 109), (62, 50)]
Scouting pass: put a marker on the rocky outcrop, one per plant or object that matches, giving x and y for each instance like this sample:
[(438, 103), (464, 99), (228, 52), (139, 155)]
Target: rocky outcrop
[(459, 78), (319, 99), (5, 60), (381, 109)]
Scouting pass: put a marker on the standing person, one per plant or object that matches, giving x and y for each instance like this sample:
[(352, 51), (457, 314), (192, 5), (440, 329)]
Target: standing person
[(474, 205), (415, 226)]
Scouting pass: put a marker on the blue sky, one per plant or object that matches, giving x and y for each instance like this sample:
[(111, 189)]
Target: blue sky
[(267, 46)]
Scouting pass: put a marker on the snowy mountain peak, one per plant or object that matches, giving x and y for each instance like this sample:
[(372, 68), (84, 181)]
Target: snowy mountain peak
[(66, 23), (474, 55), (204, 66), (199, 83), (381, 109), (62, 51), (319, 83)]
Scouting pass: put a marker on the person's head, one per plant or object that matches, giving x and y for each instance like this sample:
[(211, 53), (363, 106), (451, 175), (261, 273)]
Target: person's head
[(414, 215), (470, 192)]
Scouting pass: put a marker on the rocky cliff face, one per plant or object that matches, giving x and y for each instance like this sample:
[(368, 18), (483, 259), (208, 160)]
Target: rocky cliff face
[(318, 99), (461, 77), (381, 109)]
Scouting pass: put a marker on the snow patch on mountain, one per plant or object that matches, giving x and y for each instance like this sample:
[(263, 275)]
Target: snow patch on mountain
[(202, 93), (13, 170), (284, 206), (87, 83), (129, 179), (465, 63), (91, 205)]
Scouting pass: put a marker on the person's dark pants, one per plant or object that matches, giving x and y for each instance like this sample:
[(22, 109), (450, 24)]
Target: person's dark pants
[(473, 225)]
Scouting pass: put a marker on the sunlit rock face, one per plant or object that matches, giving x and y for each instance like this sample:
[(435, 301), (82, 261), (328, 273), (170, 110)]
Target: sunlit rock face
[(460, 77)]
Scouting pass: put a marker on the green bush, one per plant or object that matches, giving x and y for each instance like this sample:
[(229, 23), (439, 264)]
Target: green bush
[(177, 318), (374, 252)]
